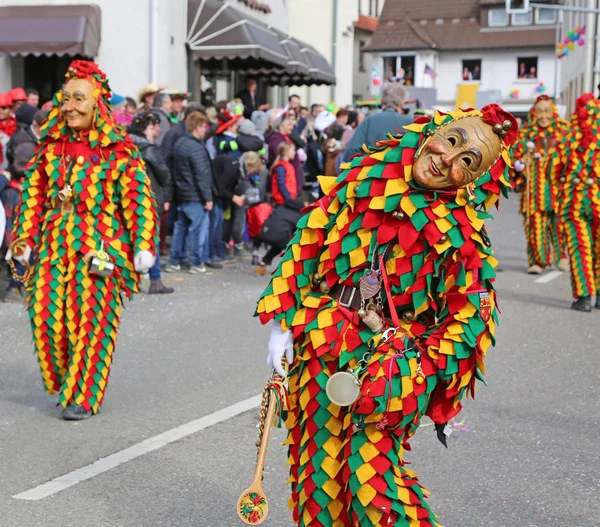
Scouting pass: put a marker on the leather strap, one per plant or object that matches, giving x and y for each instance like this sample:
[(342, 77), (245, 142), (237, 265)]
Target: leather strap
[(346, 296)]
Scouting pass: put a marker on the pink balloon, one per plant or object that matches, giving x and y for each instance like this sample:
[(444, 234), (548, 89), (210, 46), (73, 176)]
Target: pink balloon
[(566, 40), (581, 42)]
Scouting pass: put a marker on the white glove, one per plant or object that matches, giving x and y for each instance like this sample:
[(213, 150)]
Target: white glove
[(280, 343), (143, 261), (519, 166), (21, 259)]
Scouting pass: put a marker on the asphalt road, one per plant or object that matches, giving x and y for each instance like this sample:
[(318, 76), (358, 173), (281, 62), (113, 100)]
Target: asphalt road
[(523, 454)]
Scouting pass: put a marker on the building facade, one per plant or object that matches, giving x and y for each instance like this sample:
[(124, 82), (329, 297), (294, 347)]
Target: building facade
[(365, 85), (580, 68), (466, 49), (329, 27), (140, 41)]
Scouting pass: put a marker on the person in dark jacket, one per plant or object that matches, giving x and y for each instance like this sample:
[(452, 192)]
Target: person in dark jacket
[(247, 139), (250, 98), (193, 179), (21, 146), (284, 133), (376, 127), (143, 131), (162, 110)]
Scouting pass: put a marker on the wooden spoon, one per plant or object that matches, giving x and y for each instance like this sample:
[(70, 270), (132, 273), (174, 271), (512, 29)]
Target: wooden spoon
[(252, 507)]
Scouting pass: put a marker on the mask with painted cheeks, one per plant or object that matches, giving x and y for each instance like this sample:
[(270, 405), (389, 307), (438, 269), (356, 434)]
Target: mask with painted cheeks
[(78, 104), (457, 154)]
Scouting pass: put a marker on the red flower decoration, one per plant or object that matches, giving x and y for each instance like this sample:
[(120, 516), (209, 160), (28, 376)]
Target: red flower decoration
[(583, 119), (503, 122), (542, 98), (85, 68)]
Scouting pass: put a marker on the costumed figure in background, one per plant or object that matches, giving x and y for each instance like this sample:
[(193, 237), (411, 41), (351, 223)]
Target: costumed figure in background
[(384, 307), (538, 167), (88, 217), (579, 201), (8, 126)]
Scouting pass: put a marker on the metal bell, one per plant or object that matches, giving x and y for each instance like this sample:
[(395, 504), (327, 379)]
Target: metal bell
[(324, 287), (408, 315), (589, 181), (576, 181), (398, 215)]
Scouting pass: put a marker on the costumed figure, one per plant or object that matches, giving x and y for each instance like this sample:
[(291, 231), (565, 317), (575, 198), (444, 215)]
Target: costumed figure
[(538, 167), (579, 201), (88, 217), (8, 126), (384, 306)]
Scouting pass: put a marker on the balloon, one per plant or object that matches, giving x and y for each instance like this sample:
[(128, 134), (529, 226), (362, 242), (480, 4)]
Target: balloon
[(565, 51), (581, 42), (571, 46), (566, 40), (570, 35), (582, 30), (576, 36)]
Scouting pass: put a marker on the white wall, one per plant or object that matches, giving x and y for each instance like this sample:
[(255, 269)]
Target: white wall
[(318, 32), (125, 43), (498, 72), (278, 17)]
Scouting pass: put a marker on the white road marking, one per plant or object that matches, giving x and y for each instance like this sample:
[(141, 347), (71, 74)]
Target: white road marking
[(153, 443), (552, 275)]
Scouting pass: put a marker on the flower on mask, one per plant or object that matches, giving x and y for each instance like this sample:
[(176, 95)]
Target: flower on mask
[(503, 122)]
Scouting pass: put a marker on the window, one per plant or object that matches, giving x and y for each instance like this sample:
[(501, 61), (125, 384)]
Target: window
[(545, 16), (497, 18), (471, 70), (407, 65), (527, 67), (400, 69), (522, 19), (361, 55), (373, 8)]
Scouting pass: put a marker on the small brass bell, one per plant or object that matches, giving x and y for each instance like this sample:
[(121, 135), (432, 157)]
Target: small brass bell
[(316, 279), (362, 312), (443, 238), (563, 179), (589, 181), (420, 380), (409, 315), (577, 181), (324, 287), (399, 215), (498, 128)]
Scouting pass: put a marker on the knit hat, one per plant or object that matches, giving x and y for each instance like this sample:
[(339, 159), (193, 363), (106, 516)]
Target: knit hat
[(17, 94), (25, 113), (247, 127), (261, 121)]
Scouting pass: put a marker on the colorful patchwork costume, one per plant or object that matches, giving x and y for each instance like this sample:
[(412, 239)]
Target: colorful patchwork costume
[(538, 149), (433, 259), (86, 192), (579, 200)]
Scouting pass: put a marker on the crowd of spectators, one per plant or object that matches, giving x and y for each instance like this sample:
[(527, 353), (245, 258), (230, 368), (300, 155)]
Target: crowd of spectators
[(230, 180)]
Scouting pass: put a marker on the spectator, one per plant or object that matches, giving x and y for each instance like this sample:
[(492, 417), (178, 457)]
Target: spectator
[(261, 123), (227, 133), (18, 98), (10, 196), (350, 127), (247, 139), (33, 97), (377, 126), (21, 147), (193, 178), (146, 97), (162, 110), (124, 116), (332, 148), (177, 99), (342, 117), (250, 98), (283, 133), (143, 131), (283, 176)]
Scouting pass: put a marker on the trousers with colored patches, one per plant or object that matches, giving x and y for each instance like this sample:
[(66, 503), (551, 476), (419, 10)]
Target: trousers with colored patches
[(544, 238), (74, 318), (580, 220), (347, 465)]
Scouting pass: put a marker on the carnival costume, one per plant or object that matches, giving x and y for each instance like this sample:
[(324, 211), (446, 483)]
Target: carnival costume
[(8, 127), (579, 200), (377, 239), (538, 155), (89, 218)]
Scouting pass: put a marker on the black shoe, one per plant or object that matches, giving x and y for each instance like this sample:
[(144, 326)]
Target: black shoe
[(214, 265), (583, 303), (76, 413)]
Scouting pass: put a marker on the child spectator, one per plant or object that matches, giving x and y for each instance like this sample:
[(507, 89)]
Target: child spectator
[(283, 175), (332, 148)]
